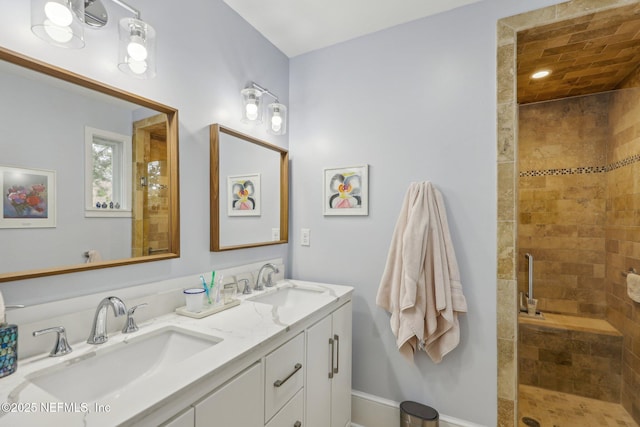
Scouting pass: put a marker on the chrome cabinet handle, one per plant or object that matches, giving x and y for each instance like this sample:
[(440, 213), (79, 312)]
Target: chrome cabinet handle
[(297, 424), (296, 368), (337, 368), (332, 359)]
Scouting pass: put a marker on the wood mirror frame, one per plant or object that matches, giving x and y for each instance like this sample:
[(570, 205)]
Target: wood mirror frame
[(215, 243), (172, 166)]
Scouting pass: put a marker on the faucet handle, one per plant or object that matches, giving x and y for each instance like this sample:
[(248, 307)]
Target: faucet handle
[(247, 288), (61, 346), (130, 324)]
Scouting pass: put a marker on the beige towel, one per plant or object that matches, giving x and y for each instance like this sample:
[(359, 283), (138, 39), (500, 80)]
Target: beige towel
[(633, 286), (421, 286)]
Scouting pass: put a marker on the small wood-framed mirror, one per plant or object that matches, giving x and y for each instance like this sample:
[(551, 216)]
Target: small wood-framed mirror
[(249, 185)]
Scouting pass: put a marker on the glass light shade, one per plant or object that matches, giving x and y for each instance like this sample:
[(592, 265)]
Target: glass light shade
[(59, 22), (251, 105), (277, 119), (137, 48)]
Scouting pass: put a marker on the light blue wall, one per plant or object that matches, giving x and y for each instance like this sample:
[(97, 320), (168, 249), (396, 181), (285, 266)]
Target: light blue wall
[(206, 54), (416, 102)]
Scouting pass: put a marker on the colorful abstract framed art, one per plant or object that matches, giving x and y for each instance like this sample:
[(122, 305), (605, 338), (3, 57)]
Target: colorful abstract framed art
[(346, 190), (28, 198), (244, 195)]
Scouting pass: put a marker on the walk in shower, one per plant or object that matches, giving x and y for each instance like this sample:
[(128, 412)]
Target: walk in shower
[(579, 216), (590, 47)]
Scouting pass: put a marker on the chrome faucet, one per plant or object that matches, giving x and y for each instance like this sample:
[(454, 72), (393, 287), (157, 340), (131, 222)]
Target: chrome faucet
[(98, 333), (259, 286)]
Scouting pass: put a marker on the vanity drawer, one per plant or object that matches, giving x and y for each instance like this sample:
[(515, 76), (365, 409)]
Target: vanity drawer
[(283, 375), (292, 413)]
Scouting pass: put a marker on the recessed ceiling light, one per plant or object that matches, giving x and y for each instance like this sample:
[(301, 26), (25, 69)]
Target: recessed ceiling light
[(540, 74)]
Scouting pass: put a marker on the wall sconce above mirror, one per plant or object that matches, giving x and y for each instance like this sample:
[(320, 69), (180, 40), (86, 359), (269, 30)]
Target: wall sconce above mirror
[(61, 23), (249, 184), (252, 109), (88, 173)]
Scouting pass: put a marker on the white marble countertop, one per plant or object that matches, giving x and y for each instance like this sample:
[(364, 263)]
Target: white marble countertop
[(243, 329)]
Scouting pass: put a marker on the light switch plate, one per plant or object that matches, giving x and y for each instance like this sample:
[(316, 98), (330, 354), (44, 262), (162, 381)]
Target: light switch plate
[(275, 234), (305, 239)]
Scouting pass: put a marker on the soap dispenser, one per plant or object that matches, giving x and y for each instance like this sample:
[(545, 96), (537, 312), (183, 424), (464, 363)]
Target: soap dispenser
[(8, 344)]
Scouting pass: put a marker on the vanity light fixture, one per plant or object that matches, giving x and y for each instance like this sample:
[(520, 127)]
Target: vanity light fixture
[(61, 23), (252, 109)]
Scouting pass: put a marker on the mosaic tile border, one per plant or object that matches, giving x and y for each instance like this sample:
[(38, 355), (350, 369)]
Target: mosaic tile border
[(582, 170)]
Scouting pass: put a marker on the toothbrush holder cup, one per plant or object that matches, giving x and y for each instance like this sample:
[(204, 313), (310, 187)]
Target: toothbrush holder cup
[(194, 298)]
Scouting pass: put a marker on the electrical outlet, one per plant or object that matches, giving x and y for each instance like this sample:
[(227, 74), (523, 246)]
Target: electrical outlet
[(305, 239), (275, 234)]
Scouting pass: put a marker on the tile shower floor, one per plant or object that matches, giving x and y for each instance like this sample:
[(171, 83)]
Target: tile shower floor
[(556, 409)]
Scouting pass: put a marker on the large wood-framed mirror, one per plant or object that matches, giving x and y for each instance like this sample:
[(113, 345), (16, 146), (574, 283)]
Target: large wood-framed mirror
[(109, 161), (249, 185)]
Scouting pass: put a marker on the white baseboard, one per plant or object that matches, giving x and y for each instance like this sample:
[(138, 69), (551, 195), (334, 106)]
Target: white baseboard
[(368, 410)]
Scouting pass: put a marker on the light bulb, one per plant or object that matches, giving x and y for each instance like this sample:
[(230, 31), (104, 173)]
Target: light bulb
[(58, 33), (540, 74), (137, 67), (136, 48), (276, 122), (252, 110), (58, 14)]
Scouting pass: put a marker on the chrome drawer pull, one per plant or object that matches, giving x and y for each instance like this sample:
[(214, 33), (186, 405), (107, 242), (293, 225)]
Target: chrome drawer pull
[(332, 359), (296, 368), (336, 369), (297, 424)]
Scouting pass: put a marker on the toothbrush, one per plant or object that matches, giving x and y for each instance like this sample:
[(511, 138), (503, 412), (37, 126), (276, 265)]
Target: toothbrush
[(220, 278), (206, 288), (213, 282)]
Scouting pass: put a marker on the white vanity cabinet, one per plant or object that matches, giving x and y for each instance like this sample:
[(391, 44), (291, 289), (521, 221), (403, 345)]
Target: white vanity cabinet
[(239, 402), (328, 387), (299, 378)]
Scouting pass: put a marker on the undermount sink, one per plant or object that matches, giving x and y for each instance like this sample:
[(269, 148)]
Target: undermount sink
[(107, 370), (287, 296)]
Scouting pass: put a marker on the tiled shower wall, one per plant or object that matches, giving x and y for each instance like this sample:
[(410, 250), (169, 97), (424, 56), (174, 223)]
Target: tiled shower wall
[(623, 236), (562, 203), (579, 213)]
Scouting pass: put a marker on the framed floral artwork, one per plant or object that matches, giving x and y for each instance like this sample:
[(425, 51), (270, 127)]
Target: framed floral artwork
[(28, 198), (346, 190), (243, 194)]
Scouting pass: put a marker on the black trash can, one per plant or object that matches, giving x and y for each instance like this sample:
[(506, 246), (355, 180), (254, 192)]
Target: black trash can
[(414, 414)]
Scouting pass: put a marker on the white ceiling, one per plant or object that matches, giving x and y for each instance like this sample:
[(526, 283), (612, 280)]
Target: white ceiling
[(300, 26)]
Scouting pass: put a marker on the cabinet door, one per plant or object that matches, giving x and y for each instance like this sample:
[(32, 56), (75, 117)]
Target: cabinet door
[(318, 387), (185, 419), (341, 382), (240, 402)]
